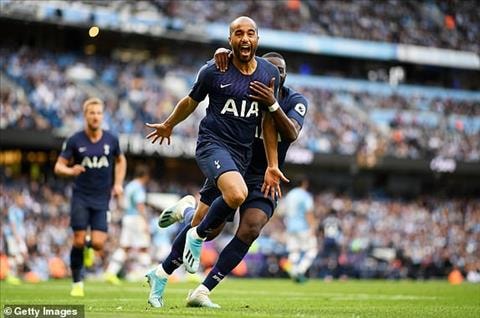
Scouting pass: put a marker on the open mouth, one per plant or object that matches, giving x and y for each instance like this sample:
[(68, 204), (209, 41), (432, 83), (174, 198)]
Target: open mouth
[(245, 50)]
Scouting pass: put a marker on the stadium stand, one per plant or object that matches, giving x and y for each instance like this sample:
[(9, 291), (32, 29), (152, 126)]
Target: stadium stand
[(49, 88)]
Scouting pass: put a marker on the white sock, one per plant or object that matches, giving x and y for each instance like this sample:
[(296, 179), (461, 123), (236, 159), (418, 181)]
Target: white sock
[(78, 284), (117, 261), (160, 272)]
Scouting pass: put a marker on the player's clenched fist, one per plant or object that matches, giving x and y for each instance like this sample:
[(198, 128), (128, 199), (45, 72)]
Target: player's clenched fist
[(161, 131), (77, 170)]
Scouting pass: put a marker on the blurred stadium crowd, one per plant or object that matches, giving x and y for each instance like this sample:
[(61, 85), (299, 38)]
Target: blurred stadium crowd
[(44, 90), (409, 22), (371, 237), (444, 24)]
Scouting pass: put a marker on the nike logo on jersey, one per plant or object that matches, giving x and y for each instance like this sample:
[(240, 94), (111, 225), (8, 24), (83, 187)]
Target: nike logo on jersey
[(82, 149), (217, 164), (225, 85)]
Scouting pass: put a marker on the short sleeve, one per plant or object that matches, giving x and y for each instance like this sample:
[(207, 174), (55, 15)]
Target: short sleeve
[(67, 149), (200, 88), (140, 196), (299, 109)]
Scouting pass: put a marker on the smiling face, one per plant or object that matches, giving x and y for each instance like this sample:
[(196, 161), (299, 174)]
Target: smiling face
[(243, 39)]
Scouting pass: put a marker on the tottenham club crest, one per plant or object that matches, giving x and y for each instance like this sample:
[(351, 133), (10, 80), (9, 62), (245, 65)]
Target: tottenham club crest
[(106, 149)]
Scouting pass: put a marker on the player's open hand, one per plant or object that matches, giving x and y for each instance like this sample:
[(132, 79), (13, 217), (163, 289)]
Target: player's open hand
[(161, 131), (262, 93), (271, 182), (77, 170), (222, 57)]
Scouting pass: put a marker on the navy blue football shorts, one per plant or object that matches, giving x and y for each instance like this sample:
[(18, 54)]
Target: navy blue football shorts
[(214, 159), (82, 216), (255, 198)]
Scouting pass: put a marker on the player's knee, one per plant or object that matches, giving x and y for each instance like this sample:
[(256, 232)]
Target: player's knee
[(236, 197), (77, 243), (248, 233), (97, 245)]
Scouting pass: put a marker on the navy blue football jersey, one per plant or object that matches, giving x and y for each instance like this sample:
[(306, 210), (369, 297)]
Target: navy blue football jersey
[(294, 106), (231, 115), (93, 186)]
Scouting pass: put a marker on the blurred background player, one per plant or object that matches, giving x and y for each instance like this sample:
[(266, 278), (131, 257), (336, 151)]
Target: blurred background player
[(99, 169), (258, 208), (135, 232), (15, 235), (301, 230), (224, 142)]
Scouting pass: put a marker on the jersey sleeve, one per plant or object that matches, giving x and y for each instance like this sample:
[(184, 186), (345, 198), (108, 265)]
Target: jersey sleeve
[(67, 148), (200, 87), (298, 110)]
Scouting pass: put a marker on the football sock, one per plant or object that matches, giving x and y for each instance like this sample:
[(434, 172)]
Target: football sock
[(76, 263), (188, 215), (306, 261), (217, 214), (228, 259), (117, 261), (175, 259)]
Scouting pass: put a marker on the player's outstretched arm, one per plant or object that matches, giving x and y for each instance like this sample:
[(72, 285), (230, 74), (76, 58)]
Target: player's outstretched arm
[(62, 168), (273, 175), (182, 110), (287, 127)]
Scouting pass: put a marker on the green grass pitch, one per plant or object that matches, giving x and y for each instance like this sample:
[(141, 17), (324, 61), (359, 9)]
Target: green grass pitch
[(266, 298)]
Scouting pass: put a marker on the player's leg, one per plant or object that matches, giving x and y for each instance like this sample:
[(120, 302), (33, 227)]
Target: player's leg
[(120, 255), (176, 212), (79, 221), (14, 260), (309, 251), (254, 214), (184, 210), (157, 277), (234, 192), (294, 254)]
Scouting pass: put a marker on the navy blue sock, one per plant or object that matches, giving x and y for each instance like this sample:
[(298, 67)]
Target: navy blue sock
[(217, 214), (76, 263), (188, 215), (175, 259), (228, 259)]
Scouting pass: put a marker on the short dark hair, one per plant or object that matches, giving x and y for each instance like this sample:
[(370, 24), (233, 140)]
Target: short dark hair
[(141, 171), (273, 54)]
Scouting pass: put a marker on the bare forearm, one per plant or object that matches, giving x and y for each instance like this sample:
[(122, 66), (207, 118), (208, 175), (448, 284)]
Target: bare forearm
[(182, 110), (62, 169), (270, 140), (120, 169), (285, 126)]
